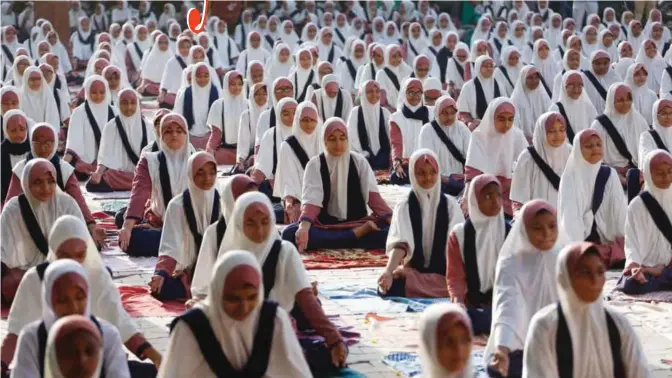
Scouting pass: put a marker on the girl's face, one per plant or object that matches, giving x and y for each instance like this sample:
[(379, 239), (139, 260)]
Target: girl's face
[(623, 104), (543, 51), (282, 91), (453, 346), (379, 27), (588, 277), (607, 40), (626, 51), (657, 33), (9, 102), (532, 81), (316, 55), (481, 49), (451, 42), (73, 249), (239, 303), (203, 78), (68, 297), (378, 57), (308, 125), (542, 230), (287, 116), (331, 89), (637, 29), (35, 82), (501, 31), (256, 225), (651, 50), (273, 26), (415, 32), (395, 59), (288, 28), (197, 56), (556, 134), (97, 92), (575, 44), (128, 33), (425, 174), (574, 61), (284, 55), (43, 186), (436, 39), (236, 86), (414, 96), (184, 48), (261, 97), (601, 66), (431, 96), (142, 34), (255, 41), (665, 117), (305, 60), (205, 177), (461, 55), (221, 27), (17, 129), (128, 106), (447, 115), (78, 354), (43, 49), (337, 143), (359, 51), (640, 77), (257, 73), (48, 75), (519, 31), (591, 150), (52, 38), (504, 122), (113, 81), (591, 36), (163, 44), (661, 176), (173, 136), (373, 94), (490, 200), (312, 32), (422, 69), (487, 69)]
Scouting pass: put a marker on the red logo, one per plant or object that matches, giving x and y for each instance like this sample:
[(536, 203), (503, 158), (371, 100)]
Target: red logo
[(196, 19)]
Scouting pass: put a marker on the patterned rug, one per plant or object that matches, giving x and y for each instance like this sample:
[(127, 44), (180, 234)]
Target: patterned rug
[(409, 364), (655, 297), (139, 303), (344, 258)]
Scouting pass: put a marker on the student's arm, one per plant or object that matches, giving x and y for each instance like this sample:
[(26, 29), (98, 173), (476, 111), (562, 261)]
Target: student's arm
[(183, 358), (14, 188), (114, 356), (397, 143), (141, 191), (456, 279), (26, 363)]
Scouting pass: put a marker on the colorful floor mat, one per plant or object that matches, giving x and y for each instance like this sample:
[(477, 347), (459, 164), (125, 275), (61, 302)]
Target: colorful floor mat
[(343, 258), (409, 364), (140, 304), (658, 296)]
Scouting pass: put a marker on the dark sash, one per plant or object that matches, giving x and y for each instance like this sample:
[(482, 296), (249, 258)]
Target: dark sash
[(164, 180), (600, 89), (211, 349), (570, 130), (393, 78), (412, 47), (270, 40), (210, 58), (352, 70), (552, 177), (442, 57), (598, 196), (658, 215), (564, 352), (659, 141), (269, 267), (498, 45), (546, 87), (668, 69), (8, 54), (330, 57), (437, 263), (180, 61), (243, 40), (275, 151), (188, 112), (373, 71), (474, 294), (340, 35), (127, 145), (616, 138), (432, 50), (356, 204), (223, 143), (137, 50), (338, 112), (191, 218), (272, 119), (422, 114), (448, 143), (221, 230), (89, 41), (364, 136), (506, 75), (298, 150), (481, 102), (301, 98), (8, 148), (562, 52), (94, 124), (459, 68), (32, 225)]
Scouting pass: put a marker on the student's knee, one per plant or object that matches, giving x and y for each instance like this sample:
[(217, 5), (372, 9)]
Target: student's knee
[(481, 319), (144, 243), (289, 232), (629, 285), (171, 289)]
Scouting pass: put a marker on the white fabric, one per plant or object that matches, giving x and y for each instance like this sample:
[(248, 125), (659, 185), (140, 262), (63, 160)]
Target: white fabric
[(409, 127), (577, 185), (275, 67), (264, 120), (250, 54), (66, 168), (513, 72), (236, 338), (654, 66), (40, 106), (401, 226), (606, 81), (172, 74), (491, 151), (347, 81), (15, 159), (289, 174), (546, 67), (80, 50), (372, 123), (402, 71), (227, 109), (458, 133), (429, 324), (529, 182), (646, 141), (52, 368), (81, 138), (530, 103), (325, 50), (326, 105), (142, 45), (557, 81), (200, 99), (642, 97), (467, 100), (587, 325), (299, 77), (272, 140), (581, 111), (247, 127), (155, 62), (452, 74)]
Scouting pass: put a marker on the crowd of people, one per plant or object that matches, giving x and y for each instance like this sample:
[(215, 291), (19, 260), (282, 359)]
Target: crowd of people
[(536, 148)]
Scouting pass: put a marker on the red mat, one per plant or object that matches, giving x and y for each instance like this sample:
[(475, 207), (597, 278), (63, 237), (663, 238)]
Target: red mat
[(344, 258), (140, 304), (104, 221)]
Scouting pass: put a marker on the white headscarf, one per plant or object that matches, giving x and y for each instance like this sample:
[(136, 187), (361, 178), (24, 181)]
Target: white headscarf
[(275, 67), (643, 97), (513, 71), (371, 114), (547, 67), (654, 66), (429, 328), (452, 74), (623, 63), (478, 32), (40, 105), (16, 77), (251, 53), (611, 50), (325, 50), (200, 98), (581, 111), (56, 270), (606, 81), (281, 131), (530, 103), (79, 49), (71, 323), (155, 62), (142, 45), (646, 143), (291, 38), (228, 109)]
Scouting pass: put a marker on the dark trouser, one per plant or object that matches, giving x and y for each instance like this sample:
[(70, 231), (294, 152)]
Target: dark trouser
[(515, 366), (452, 187), (171, 289), (101, 187), (380, 161), (628, 285), (481, 320), (81, 176), (144, 242), (396, 180), (318, 355), (142, 369), (338, 239), (632, 183), (267, 189), (398, 289), (164, 105)]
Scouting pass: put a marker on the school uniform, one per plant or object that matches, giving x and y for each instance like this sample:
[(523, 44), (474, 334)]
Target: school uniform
[(153, 66), (597, 86), (369, 133), (579, 113), (11, 153), (194, 103), (530, 103), (478, 92), (224, 119)]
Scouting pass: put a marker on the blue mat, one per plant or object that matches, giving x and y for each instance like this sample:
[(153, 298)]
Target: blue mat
[(409, 363), (344, 294)]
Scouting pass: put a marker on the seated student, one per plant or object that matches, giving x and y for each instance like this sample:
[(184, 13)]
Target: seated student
[(331, 99), (154, 146), (571, 61), (97, 66), (405, 126), (648, 248), (642, 96), (303, 76), (392, 75), (579, 336), (236, 276), (82, 42), (69, 239), (620, 127), (421, 67), (225, 45), (187, 216), (376, 55), (135, 52), (86, 359), (286, 281), (295, 152), (347, 69), (255, 75), (26, 219), (281, 88), (449, 139), (253, 51), (257, 103), (546, 67), (600, 76), (266, 162), (432, 90), (322, 69), (211, 53), (37, 99), (153, 66), (197, 55), (445, 341), (224, 119), (495, 147), (530, 100), (337, 187), (170, 81), (15, 145), (194, 103), (458, 70), (86, 127), (539, 167), (418, 234), (66, 293), (660, 135), (61, 95), (235, 187), (120, 146), (114, 77), (367, 127), (158, 177), (591, 205), (473, 249), (527, 260), (21, 63), (478, 93), (574, 105)]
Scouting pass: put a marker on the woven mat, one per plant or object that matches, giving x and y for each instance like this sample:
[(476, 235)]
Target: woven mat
[(409, 364), (344, 258), (655, 297), (139, 303)]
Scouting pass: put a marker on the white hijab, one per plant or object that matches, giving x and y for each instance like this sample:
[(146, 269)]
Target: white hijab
[(547, 67), (371, 114), (643, 97), (281, 131), (291, 38), (530, 103), (654, 66), (228, 109), (200, 98), (81, 138), (513, 71), (606, 81), (646, 143), (275, 67), (429, 328), (40, 105), (16, 77), (581, 111), (142, 45), (52, 367), (155, 63)]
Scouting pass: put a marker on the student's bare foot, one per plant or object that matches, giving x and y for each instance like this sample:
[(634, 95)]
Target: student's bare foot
[(366, 228)]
